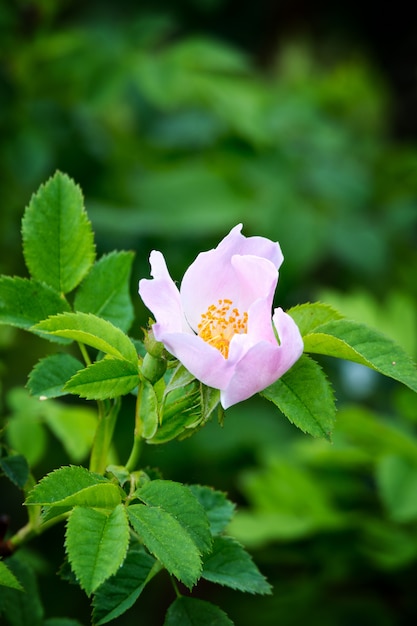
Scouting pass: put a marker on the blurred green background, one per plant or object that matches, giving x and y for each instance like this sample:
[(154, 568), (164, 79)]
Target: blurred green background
[(180, 120)]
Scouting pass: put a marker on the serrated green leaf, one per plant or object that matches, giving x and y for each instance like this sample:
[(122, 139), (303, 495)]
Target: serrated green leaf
[(58, 242), (24, 303), (63, 483), (105, 290), (8, 579), (168, 541), (73, 426), (108, 378), (356, 342), (96, 543), (102, 496), (397, 483), (21, 609), (218, 508), (309, 316), (93, 331), (16, 468), (305, 397), (229, 564), (195, 612), (179, 501), (50, 374), (120, 592)]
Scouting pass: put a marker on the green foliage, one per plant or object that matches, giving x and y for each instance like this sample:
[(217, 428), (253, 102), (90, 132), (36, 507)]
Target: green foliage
[(8, 579), (304, 144), (73, 426), (287, 504), (48, 377), (23, 302), (218, 508), (356, 342), (64, 253), (69, 486), (21, 608), (191, 516), (305, 396), (168, 541), (120, 592), (93, 331), (109, 378), (16, 468), (397, 483), (105, 290), (229, 564), (311, 315), (194, 612), (96, 542)]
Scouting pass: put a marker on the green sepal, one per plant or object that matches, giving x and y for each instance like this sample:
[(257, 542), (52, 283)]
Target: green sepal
[(178, 413), (146, 411)]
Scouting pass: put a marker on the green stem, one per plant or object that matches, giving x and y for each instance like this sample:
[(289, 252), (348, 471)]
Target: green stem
[(174, 584), (30, 530), (103, 436), (85, 354), (137, 442), (134, 454)]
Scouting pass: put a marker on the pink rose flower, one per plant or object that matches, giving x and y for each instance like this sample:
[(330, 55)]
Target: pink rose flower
[(218, 324)]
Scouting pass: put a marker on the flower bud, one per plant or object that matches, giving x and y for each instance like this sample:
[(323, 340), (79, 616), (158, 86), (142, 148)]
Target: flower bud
[(153, 368), (152, 346)]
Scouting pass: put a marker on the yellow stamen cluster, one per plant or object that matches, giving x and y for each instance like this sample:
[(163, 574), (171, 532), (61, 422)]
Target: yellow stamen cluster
[(219, 323)]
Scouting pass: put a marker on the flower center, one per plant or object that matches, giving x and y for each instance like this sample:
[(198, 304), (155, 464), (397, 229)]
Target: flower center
[(219, 323)]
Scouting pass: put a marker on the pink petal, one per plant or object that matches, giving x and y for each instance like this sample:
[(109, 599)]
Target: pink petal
[(291, 342), (236, 243), (217, 274), (264, 362), (203, 361), (162, 297), (255, 278)]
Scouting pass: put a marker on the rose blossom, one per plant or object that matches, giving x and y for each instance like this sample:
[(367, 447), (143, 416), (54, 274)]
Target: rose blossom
[(218, 324)]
